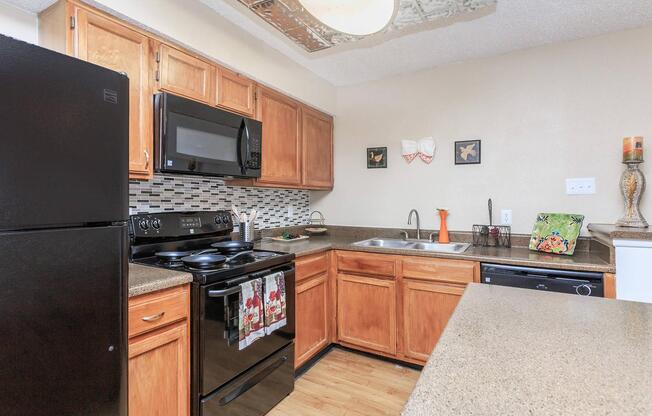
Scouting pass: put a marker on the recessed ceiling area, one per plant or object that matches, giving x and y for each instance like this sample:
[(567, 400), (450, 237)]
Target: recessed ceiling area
[(317, 25), (511, 26)]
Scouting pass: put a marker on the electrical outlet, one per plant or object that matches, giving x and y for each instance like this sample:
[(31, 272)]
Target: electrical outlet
[(290, 211), (580, 186), (506, 216)]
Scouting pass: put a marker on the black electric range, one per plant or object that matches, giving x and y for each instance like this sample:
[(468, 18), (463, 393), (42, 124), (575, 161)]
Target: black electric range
[(224, 379)]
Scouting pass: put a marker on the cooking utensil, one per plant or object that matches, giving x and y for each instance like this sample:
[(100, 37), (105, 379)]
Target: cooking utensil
[(236, 212), (178, 255), (204, 261), (230, 247)]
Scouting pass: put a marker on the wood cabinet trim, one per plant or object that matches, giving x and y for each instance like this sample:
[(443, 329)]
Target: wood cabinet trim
[(312, 265), (307, 181), (174, 303), (436, 269), (356, 262), (390, 348), (168, 52), (311, 350), (609, 285), (225, 101)]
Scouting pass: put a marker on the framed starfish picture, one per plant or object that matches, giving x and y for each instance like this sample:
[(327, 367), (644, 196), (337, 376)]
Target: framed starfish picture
[(467, 152)]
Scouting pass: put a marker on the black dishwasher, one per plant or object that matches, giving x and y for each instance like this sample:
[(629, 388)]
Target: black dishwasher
[(550, 280)]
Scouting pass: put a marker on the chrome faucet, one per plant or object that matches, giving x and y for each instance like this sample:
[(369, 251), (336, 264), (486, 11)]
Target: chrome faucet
[(414, 211)]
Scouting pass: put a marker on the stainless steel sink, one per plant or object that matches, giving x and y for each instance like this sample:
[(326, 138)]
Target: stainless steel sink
[(413, 245)]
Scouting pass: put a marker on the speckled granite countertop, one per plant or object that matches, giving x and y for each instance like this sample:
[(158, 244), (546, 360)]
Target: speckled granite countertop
[(518, 256), (146, 279), (509, 351), (610, 232)]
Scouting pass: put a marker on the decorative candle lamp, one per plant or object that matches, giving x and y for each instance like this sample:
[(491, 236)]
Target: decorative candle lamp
[(633, 149), (632, 183)]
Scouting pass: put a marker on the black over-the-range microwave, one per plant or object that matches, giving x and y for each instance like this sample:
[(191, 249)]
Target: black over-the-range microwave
[(194, 138)]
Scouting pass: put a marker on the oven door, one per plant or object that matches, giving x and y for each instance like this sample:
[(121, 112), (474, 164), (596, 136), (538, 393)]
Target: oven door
[(221, 360), (198, 139)]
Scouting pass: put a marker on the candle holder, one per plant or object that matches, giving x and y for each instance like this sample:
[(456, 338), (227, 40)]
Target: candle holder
[(632, 186)]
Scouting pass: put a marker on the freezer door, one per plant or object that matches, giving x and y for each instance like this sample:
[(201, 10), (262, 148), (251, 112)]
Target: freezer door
[(65, 140), (63, 328)]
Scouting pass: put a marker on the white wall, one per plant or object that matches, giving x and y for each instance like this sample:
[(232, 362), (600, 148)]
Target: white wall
[(196, 25), (18, 24), (543, 115)]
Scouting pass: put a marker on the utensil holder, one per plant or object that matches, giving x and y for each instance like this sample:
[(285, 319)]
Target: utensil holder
[(492, 235), (247, 231)]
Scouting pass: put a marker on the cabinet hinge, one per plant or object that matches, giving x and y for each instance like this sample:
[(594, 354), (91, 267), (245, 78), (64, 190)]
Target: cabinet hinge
[(73, 22), (158, 57), (157, 75)]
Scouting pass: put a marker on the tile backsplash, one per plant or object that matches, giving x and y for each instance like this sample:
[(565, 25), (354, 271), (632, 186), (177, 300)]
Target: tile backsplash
[(195, 193)]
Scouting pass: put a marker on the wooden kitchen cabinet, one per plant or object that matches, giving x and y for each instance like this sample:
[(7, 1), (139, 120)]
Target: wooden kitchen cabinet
[(312, 307), (366, 313), (236, 92), (183, 74), (281, 147), (159, 353), (317, 149), (427, 308), (102, 40)]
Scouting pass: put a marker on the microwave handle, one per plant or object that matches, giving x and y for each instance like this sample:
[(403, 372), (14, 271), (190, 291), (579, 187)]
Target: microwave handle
[(243, 146)]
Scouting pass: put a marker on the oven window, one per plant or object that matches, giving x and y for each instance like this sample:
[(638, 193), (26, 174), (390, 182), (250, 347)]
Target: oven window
[(203, 139)]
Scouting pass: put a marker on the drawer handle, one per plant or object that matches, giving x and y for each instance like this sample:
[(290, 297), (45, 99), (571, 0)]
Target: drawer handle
[(153, 318)]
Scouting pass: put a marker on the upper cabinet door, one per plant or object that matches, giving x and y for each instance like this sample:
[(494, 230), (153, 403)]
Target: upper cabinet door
[(104, 42), (235, 92), (317, 157), (183, 74), (281, 155)]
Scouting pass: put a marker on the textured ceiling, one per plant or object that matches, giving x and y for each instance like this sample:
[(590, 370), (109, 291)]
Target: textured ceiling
[(295, 22), (512, 25)]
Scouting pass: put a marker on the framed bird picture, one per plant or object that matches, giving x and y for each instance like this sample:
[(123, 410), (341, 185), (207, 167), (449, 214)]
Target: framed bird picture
[(376, 157), (467, 152)]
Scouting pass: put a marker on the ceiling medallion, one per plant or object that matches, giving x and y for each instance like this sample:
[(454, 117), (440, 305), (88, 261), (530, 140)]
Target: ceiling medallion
[(321, 24)]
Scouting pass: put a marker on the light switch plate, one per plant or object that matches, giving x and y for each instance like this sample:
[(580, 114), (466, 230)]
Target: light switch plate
[(506, 216), (580, 186)]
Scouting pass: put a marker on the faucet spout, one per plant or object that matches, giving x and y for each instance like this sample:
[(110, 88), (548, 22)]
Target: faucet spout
[(414, 211)]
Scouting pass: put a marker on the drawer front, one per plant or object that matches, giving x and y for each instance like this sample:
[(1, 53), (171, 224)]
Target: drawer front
[(442, 270), (154, 310), (311, 266), (367, 263)]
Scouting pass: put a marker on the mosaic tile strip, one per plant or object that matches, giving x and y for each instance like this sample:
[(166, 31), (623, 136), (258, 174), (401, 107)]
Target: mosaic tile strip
[(193, 193)]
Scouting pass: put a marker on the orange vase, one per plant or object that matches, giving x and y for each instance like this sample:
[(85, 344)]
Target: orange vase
[(443, 228)]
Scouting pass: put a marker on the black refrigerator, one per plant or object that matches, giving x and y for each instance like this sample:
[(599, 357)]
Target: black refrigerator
[(63, 240)]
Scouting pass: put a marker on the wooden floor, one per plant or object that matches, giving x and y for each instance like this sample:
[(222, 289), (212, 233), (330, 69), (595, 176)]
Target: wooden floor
[(346, 383)]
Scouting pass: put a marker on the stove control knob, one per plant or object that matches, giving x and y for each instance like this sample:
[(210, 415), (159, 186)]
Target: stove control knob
[(144, 225), (218, 219), (156, 224), (226, 218), (583, 290)]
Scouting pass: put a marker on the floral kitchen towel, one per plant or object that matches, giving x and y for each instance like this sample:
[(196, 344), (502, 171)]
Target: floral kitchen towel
[(275, 302), (252, 321)]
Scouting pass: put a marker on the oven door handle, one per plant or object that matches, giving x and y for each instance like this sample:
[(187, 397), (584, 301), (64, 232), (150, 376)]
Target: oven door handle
[(223, 292)]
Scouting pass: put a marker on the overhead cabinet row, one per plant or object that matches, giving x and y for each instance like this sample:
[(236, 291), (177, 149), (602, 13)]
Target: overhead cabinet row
[(297, 140)]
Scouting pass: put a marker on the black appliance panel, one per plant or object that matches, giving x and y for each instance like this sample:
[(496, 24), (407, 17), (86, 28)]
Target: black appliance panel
[(179, 225), (195, 138), (63, 326), (221, 360), (255, 392), (563, 281), (65, 150)]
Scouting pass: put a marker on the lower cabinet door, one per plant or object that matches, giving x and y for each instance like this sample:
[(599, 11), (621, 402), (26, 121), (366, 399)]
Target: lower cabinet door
[(311, 318), (366, 309), (159, 373), (427, 307)]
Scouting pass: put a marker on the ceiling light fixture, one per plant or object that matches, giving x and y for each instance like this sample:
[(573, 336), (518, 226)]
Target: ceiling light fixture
[(359, 17)]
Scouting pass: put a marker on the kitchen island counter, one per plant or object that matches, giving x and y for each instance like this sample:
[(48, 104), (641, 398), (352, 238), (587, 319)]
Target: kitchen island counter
[(512, 351)]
